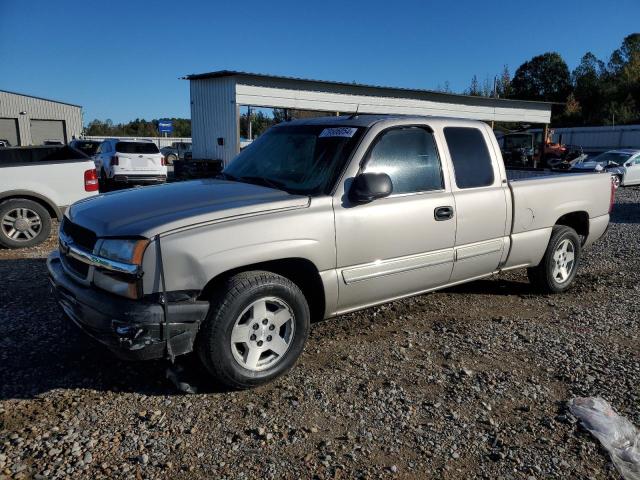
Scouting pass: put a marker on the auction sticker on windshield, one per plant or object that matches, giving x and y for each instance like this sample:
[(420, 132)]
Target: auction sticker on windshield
[(338, 132)]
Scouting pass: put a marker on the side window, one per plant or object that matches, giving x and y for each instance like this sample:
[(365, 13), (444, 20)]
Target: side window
[(470, 156), (409, 156)]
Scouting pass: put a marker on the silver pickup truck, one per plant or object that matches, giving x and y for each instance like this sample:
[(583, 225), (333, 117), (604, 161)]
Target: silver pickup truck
[(315, 219)]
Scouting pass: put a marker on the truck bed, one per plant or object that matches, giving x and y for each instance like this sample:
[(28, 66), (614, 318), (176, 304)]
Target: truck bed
[(541, 197), (517, 174)]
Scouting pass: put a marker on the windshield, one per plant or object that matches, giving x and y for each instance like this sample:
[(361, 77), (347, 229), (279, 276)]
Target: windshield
[(304, 159), (607, 157), (517, 141), (136, 147)]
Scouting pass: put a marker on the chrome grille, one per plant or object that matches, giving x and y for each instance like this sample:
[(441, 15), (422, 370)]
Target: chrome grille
[(83, 237)]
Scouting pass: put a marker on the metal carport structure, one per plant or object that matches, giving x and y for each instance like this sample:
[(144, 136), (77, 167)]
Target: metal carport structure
[(216, 98)]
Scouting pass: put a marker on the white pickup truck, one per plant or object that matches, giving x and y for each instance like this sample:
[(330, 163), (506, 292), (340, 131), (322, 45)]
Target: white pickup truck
[(36, 185), (315, 219)]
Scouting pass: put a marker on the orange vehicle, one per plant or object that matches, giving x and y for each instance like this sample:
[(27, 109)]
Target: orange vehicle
[(523, 149)]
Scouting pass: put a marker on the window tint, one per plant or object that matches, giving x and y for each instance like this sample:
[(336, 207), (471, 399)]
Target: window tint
[(136, 147), (470, 157), (409, 156)]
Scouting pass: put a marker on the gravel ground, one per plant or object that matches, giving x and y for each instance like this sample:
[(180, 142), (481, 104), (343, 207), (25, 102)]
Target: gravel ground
[(468, 382)]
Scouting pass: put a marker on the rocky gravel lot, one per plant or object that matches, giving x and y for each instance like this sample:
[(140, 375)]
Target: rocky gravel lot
[(465, 383)]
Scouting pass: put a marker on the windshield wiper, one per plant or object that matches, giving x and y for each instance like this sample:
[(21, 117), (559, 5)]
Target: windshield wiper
[(267, 182), (227, 176)]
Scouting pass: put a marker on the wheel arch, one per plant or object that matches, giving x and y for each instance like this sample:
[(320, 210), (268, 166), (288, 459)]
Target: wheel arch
[(53, 210), (579, 221), (300, 271)]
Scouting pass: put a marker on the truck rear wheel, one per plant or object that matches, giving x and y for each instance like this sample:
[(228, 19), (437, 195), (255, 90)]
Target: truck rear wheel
[(558, 267), (256, 329), (23, 223)]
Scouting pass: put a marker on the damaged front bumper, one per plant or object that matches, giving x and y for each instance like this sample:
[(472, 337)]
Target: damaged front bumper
[(133, 330)]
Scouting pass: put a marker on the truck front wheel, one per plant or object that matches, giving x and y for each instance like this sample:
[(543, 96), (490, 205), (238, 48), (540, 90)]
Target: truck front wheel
[(256, 329), (557, 270)]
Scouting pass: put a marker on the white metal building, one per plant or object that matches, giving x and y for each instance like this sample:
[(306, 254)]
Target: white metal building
[(216, 98), (600, 139), (28, 120)]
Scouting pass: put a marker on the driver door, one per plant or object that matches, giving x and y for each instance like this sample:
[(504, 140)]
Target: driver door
[(395, 246)]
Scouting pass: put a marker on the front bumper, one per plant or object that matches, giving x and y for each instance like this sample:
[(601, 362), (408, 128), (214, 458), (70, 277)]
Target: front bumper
[(133, 330)]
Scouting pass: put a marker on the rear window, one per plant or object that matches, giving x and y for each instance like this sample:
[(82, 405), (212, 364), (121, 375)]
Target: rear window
[(470, 157), (136, 147), (90, 148)]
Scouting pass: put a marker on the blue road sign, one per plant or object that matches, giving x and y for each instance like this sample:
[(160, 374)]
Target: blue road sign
[(165, 126)]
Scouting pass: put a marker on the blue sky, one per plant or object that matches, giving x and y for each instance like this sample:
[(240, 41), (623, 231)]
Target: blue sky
[(122, 59)]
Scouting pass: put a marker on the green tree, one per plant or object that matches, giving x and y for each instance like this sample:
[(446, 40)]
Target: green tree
[(474, 87), (544, 77), (589, 89), (503, 84)]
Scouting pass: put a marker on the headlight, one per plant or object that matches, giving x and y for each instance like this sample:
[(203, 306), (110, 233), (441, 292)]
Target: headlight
[(127, 251)]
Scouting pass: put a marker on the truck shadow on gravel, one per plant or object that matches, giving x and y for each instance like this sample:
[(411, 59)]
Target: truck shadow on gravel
[(41, 350), (493, 286)]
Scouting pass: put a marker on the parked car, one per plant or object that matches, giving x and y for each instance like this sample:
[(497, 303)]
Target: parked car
[(4, 143), (623, 165), (317, 218), (129, 162), (176, 151), (36, 185), (88, 147)]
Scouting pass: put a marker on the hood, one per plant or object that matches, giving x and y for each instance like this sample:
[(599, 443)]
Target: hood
[(157, 209)]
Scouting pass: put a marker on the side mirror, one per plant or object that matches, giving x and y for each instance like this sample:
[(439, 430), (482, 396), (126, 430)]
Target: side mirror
[(368, 187)]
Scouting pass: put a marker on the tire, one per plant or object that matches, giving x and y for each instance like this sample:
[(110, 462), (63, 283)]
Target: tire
[(234, 314), (171, 158), (105, 185), (549, 276), (23, 223)]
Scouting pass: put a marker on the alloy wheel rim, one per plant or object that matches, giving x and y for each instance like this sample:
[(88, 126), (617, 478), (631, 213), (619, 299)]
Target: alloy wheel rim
[(21, 224), (262, 334), (564, 261)]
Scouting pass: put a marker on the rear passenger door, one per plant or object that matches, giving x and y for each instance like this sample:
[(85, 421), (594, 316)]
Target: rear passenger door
[(481, 202)]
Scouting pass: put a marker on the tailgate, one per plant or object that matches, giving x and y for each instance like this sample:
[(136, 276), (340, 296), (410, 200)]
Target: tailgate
[(141, 161)]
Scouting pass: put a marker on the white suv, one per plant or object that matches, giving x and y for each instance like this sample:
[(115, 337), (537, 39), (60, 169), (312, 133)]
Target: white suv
[(129, 162)]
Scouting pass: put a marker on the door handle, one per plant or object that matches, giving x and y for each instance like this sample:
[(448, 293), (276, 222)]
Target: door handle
[(443, 213)]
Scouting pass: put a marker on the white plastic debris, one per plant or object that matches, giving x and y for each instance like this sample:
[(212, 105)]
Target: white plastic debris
[(616, 434)]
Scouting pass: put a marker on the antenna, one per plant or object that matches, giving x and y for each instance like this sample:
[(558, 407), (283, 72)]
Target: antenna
[(355, 114)]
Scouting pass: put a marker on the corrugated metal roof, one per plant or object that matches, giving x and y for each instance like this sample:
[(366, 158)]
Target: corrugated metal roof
[(236, 73), (41, 98)]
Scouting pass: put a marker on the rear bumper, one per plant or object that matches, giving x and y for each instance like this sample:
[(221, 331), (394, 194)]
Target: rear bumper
[(139, 179), (133, 330)]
